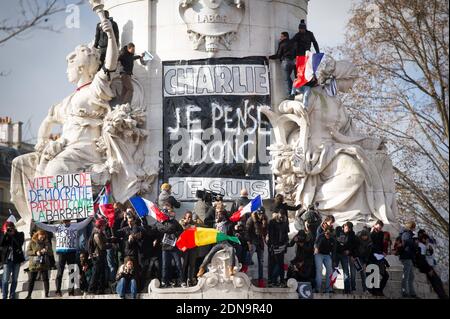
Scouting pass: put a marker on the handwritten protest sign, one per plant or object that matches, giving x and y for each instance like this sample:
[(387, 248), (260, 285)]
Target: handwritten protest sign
[(61, 197)]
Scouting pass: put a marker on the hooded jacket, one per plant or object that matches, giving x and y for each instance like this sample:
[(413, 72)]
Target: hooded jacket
[(170, 228)]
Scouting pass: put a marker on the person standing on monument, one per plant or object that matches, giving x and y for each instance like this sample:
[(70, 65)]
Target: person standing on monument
[(170, 229), (166, 196), (241, 201), (126, 59), (101, 38), (303, 40), (407, 256), (345, 252), (279, 206), (66, 235), (278, 230), (324, 255), (257, 226), (38, 251), (97, 253), (377, 238), (286, 54), (11, 256)]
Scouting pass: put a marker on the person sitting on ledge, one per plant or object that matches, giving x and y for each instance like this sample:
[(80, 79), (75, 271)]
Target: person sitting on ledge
[(126, 279)]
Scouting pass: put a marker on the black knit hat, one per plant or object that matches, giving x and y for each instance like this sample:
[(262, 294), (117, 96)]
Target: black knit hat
[(302, 24)]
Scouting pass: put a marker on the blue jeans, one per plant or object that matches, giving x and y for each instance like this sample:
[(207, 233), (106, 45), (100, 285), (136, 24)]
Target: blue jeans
[(345, 262), (111, 258), (125, 286), (10, 269), (288, 67), (260, 254), (167, 256), (306, 91), (408, 278), (277, 268), (325, 260)]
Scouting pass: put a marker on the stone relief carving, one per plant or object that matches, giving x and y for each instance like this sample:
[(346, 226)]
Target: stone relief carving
[(212, 24)]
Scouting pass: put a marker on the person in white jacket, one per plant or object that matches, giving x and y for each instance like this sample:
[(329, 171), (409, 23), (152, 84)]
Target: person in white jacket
[(66, 235)]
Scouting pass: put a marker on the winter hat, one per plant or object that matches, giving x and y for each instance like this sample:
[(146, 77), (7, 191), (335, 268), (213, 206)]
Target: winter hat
[(165, 187), (302, 24)]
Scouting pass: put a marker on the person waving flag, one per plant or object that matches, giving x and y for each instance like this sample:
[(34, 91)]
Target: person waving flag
[(145, 207), (249, 208)]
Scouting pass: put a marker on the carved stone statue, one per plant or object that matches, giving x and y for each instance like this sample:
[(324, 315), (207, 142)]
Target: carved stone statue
[(94, 139), (212, 24), (319, 156)]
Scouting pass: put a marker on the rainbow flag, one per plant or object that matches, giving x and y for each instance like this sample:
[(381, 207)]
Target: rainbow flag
[(199, 236)]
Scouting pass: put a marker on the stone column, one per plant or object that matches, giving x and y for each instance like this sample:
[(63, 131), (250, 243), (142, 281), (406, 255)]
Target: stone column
[(157, 26)]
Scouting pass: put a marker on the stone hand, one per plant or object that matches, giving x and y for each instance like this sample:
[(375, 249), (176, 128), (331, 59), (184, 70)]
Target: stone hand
[(107, 27)]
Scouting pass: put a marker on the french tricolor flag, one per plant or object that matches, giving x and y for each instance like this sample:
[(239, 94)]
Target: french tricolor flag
[(307, 66), (333, 276), (250, 207), (145, 207)]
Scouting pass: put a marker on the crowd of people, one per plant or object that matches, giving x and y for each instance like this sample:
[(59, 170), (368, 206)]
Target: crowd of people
[(146, 249)]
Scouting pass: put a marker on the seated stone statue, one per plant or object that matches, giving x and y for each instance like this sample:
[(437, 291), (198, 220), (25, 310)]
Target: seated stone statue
[(320, 157), (94, 139)]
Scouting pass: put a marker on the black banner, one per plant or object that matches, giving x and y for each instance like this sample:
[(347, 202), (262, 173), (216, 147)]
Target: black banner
[(215, 136)]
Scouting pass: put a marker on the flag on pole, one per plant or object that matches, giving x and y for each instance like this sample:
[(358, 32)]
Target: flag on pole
[(307, 66), (333, 276), (145, 207), (199, 236), (250, 207), (106, 205)]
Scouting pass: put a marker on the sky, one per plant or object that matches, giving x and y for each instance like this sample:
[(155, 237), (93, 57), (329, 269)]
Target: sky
[(36, 68)]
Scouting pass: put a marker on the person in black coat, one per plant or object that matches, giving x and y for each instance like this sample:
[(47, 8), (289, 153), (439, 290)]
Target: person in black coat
[(101, 38), (286, 54), (241, 201), (131, 235), (11, 242), (170, 229), (279, 206), (377, 238), (345, 252), (303, 264), (278, 230), (303, 40)]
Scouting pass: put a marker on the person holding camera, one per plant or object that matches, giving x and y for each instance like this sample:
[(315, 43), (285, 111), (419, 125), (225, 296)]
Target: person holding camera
[(12, 256), (312, 218), (127, 279), (131, 235), (39, 251), (256, 227)]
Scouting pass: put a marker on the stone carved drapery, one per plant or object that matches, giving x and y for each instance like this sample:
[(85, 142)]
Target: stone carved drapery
[(319, 156)]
